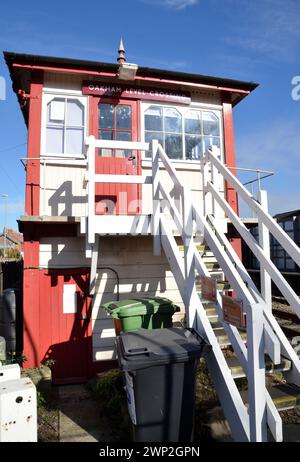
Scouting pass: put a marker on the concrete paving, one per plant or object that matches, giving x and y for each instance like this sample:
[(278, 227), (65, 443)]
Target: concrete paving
[(80, 417)]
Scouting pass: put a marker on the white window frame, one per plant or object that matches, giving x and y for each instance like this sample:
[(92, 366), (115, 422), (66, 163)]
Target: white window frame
[(47, 97), (183, 109)]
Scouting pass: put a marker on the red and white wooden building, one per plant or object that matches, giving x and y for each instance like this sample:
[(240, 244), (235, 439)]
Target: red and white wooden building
[(65, 101)]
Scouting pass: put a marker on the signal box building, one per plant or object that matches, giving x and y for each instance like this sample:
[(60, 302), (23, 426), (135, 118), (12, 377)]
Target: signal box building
[(65, 103)]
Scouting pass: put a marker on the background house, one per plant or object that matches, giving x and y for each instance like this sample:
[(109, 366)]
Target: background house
[(10, 241)]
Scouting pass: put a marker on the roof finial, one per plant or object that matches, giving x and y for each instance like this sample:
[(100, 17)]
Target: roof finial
[(121, 56)]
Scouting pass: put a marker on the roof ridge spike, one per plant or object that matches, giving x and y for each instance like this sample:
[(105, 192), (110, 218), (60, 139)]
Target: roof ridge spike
[(121, 53)]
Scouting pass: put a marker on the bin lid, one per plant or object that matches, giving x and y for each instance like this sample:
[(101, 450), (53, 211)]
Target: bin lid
[(145, 348), (140, 306)]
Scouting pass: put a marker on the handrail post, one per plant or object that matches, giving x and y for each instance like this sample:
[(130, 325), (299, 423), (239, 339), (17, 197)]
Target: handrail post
[(155, 200), (44, 188), (91, 188), (264, 242), (257, 397), (189, 258), (207, 202)]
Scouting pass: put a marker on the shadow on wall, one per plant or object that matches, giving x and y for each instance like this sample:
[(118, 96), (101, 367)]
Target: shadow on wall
[(68, 358), (64, 196), (139, 274)]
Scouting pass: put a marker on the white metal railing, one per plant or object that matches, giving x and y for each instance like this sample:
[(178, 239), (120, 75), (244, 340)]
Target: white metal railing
[(263, 332), (261, 249), (264, 335), (267, 225)]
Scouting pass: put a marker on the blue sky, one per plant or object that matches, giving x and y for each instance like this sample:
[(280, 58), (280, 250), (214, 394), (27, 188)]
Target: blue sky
[(253, 40)]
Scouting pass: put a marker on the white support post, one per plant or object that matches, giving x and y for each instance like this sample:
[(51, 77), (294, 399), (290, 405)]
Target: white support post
[(189, 259), (44, 188), (93, 274), (91, 188), (215, 181), (264, 242), (207, 196), (257, 397), (155, 200)]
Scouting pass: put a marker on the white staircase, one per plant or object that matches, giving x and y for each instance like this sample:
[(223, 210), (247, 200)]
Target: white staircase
[(261, 348)]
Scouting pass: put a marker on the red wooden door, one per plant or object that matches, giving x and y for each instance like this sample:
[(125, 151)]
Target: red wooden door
[(116, 120), (64, 322)]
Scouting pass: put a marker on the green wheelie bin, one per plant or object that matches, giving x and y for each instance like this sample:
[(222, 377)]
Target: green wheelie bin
[(146, 312)]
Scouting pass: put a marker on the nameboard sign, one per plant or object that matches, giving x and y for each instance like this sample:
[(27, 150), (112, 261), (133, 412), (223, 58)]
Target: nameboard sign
[(115, 90), (208, 288), (233, 311)]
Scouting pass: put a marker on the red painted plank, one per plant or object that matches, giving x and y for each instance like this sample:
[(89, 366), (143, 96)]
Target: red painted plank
[(230, 160), (32, 200)]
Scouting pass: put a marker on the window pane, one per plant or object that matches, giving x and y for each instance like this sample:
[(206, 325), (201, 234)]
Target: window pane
[(123, 136), (75, 113), (173, 146), (56, 111), (210, 124), (288, 225), (192, 122), (211, 141), (105, 152), (289, 263), (193, 147), (54, 140), (280, 263), (74, 141), (153, 119), (123, 116), (172, 120), (106, 115), (106, 135), (149, 136)]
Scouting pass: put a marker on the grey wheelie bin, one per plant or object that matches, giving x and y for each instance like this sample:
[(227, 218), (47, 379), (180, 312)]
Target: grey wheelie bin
[(160, 374)]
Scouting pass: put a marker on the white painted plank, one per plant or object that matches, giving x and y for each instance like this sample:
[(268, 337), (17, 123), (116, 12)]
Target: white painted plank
[(108, 144), (126, 179)]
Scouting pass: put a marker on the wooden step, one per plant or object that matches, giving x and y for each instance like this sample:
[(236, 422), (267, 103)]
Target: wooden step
[(238, 372), (199, 247), (223, 339), (212, 313), (221, 285), (285, 396), (212, 265)]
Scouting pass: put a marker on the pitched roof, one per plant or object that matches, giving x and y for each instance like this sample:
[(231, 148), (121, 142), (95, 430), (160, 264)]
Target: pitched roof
[(21, 76)]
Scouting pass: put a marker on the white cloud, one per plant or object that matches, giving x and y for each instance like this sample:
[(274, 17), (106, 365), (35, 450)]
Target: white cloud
[(172, 4), (268, 28)]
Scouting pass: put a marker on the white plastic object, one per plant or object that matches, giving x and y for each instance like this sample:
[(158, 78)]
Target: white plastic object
[(10, 372), (18, 411)]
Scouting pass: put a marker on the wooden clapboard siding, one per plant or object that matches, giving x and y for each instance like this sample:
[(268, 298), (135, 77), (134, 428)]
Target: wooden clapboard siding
[(62, 191), (140, 275)]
